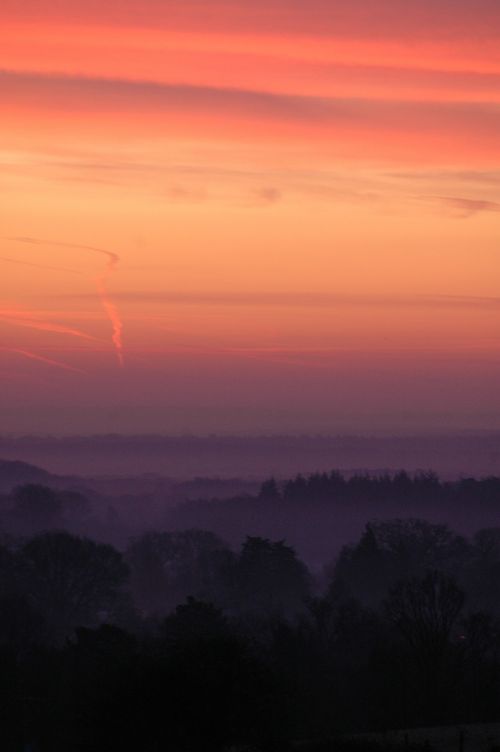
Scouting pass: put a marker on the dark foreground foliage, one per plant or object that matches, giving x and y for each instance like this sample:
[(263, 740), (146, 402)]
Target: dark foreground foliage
[(180, 644), (350, 745)]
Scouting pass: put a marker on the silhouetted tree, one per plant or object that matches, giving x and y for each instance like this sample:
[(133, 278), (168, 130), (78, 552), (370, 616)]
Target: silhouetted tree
[(364, 570), (216, 678), (425, 610), (270, 577), (73, 581), (195, 620), (397, 549), (166, 568), (482, 571), (269, 491)]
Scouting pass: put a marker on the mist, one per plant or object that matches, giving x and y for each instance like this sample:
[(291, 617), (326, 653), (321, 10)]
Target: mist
[(281, 599)]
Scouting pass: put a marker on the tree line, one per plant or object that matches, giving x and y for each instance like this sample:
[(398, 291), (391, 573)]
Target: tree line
[(421, 487), (180, 642)]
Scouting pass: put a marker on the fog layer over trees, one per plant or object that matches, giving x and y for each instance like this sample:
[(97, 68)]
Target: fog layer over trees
[(179, 639)]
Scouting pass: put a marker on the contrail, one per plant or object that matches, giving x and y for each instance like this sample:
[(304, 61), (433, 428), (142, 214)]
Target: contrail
[(49, 361), (113, 257), (20, 320), (113, 316), (39, 266), (101, 282)]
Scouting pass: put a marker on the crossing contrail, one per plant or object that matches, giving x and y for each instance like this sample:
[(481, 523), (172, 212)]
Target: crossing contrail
[(101, 284), (42, 359), (20, 319)]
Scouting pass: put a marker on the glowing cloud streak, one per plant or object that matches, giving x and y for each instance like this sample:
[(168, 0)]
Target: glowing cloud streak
[(113, 316), (101, 283), (42, 359), (44, 326)]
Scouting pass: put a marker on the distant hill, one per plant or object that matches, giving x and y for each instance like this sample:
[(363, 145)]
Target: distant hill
[(253, 458), (15, 473)]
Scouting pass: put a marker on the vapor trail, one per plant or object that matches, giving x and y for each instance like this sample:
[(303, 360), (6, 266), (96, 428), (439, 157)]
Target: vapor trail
[(113, 257), (48, 361), (18, 262), (101, 283), (21, 320), (113, 316)]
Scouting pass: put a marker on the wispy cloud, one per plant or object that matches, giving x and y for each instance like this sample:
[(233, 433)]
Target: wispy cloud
[(426, 19), (467, 207), (451, 176), (107, 95)]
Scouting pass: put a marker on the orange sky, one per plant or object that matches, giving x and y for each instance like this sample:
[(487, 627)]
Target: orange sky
[(243, 217)]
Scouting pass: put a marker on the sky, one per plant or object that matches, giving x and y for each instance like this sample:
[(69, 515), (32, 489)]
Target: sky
[(249, 217)]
